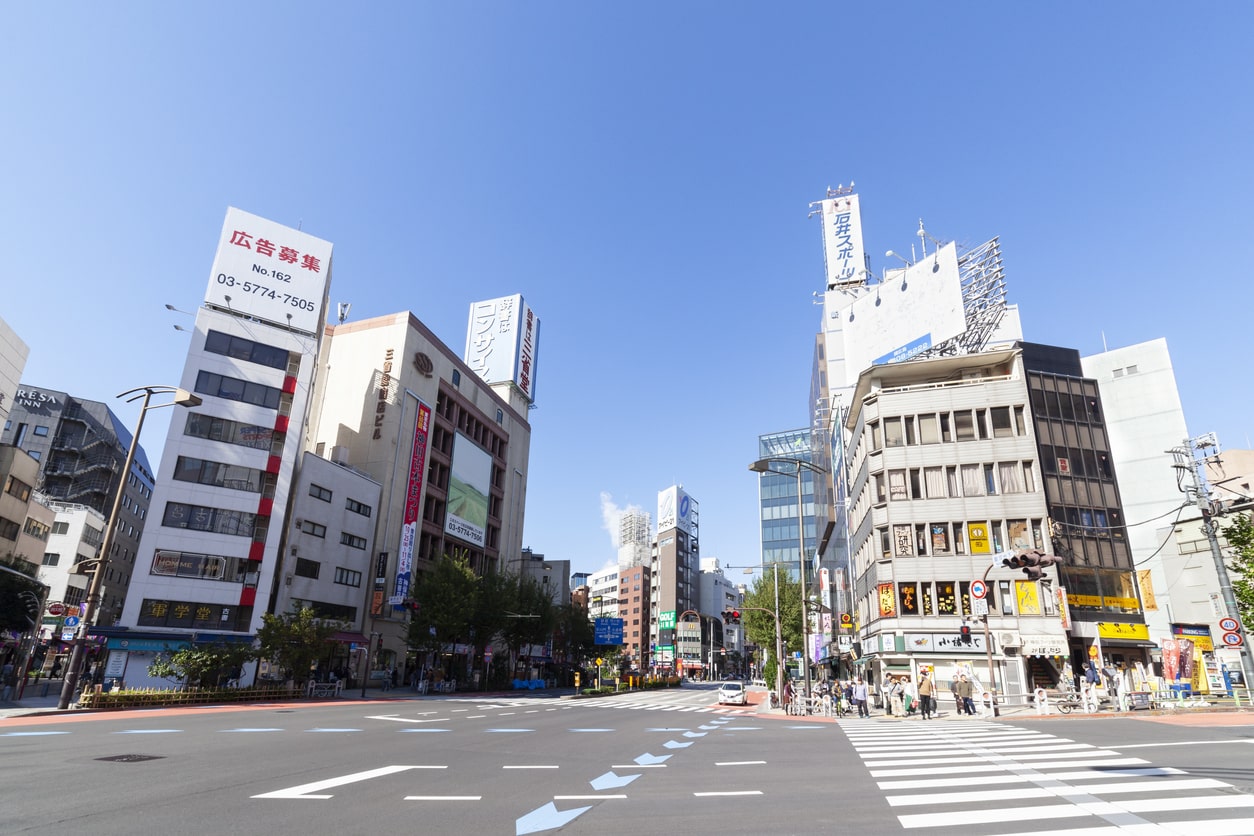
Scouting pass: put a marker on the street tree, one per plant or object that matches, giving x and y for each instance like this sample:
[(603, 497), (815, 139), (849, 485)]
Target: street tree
[(760, 626), (205, 666), (1240, 537), (295, 641), (446, 597)]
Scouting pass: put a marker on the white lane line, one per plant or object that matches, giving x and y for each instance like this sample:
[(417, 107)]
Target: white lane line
[(1005, 767), (303, 791), (966, 797), (741, 792), (967, 817), (443, 797), (150, 731), (506, 714), (1078, 775), (739, 763), (474, 717), (1095, 753)]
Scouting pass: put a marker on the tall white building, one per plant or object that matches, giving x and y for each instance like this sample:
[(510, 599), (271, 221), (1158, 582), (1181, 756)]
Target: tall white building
[(210, 554)]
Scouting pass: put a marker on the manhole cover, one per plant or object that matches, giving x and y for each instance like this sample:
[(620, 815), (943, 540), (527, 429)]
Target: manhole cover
[(131, 758)]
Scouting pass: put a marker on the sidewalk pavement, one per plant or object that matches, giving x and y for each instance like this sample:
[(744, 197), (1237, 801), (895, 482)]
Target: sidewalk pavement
[(41, 698)]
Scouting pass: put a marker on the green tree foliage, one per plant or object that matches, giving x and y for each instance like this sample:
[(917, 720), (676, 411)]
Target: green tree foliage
[(295, 642), (1240, 537), (447, 602), (760, 626), (203, 665), (530, 616), (21, 595), (574, 639)]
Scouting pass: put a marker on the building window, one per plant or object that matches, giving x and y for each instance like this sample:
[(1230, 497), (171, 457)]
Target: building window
[(217, 474), (1000, 416), (347, 577), (9, 529), (51, 559), (456, 378), (357, 507), (202, 518), (314, 529), (964, 425), (234, 389), (319, 492), (229, 432), (240, 348), (893, 436), (41, 431), (929, 430), (16, 487), (352, 541), (35, 528), (60, 527), (307, 568)]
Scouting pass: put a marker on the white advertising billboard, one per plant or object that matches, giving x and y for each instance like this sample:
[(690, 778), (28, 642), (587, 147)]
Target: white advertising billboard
[(911, 311), (468, 484), (270, 272), (502, 341), (842, 240), (675, 509)]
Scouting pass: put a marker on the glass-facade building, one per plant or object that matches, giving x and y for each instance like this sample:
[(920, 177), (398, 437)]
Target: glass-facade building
[(777, 500)]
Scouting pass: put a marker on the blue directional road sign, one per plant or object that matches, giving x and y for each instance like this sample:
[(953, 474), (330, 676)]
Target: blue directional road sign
[(608, 631)]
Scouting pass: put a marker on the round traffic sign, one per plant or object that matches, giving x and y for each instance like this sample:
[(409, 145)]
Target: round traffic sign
[(978, 589), (1231, 639), (56, 609), (1229, 625), (71, 621)]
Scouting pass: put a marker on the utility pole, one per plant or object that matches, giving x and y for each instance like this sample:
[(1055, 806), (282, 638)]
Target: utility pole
[(1199, 493)]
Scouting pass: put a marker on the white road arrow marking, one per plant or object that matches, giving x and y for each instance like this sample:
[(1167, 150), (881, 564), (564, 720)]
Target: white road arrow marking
[(303, 790), (611, 780), (647, 760), (547, 817)]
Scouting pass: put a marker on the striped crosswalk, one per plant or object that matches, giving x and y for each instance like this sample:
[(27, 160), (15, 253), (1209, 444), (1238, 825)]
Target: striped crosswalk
[(988, 778)]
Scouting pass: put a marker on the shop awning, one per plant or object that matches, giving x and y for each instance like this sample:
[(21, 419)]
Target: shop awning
[(349, 638), (1128, 643)]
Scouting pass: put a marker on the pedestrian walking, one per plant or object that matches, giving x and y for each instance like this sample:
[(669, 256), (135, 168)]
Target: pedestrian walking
[(860, 694), (787, 696), (1041, 697), (927, 708), (966, 692), (8, 680), (953, 689), (896, 697)]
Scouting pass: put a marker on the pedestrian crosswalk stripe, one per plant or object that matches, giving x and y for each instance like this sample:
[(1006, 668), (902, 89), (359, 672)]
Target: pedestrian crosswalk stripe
[(1002, 767), (1076, 775)]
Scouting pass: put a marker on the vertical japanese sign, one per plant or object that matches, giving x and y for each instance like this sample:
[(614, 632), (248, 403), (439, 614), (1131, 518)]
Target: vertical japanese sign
[(413, 499), (502, 342), (842, 239)]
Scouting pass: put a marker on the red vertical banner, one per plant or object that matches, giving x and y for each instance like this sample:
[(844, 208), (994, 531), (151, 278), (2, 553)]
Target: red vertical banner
[(413, 500)]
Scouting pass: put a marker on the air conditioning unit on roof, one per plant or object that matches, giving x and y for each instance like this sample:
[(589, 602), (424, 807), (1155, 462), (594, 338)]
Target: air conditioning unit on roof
[(1009, 640)]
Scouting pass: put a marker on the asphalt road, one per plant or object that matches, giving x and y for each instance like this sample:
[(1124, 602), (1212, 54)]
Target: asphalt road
[(657, 762)]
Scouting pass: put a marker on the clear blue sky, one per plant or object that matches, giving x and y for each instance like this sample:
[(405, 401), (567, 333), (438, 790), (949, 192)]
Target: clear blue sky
[(641, 173)]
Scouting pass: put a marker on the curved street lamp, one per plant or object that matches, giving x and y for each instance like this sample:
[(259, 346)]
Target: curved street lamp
[(181, 397), (764, 466)]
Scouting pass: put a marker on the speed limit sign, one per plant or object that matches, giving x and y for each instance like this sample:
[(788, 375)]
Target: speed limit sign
[(1229, 625)]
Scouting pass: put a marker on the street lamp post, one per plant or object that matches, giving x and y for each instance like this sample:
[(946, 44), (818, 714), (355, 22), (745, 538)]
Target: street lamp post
[(181, 398), (764, 466), (779, 631)]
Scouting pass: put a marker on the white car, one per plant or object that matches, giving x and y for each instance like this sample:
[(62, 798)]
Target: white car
[(732, 693)]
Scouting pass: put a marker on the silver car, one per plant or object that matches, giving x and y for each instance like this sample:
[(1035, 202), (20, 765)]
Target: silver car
[(732, 693)]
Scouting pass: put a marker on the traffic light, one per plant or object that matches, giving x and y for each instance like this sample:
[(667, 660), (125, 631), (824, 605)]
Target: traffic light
[(411, 605), (1033, 563), (726, 617), (735, 616), (965, 633)]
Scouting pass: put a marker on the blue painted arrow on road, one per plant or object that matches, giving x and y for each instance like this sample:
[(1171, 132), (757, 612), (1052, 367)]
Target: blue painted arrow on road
[(646, 759), (694, 734), (611, 780), (675, 744), (547, 817)]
